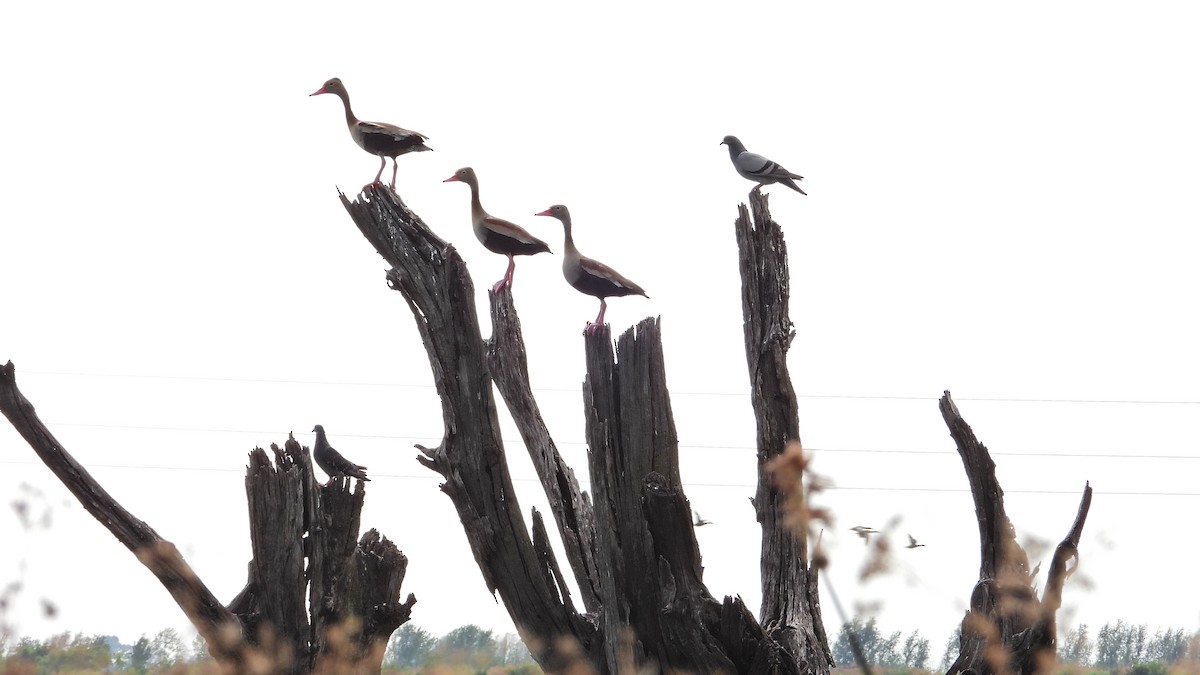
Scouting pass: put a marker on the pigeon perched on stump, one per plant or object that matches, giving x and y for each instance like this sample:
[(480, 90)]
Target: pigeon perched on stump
[(332, 462), (589, 276), (498, 235), (758, 168), (378, 138)]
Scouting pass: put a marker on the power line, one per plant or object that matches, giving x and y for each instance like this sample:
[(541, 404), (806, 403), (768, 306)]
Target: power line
[(852, 397), (583, 481), (682, 445)]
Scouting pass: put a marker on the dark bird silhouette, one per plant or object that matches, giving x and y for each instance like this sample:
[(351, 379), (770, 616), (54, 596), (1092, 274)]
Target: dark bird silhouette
[(496, 234), (864, 532), (331, 461), (912, 543), (758, 168), (378, 138), (589, 276), (700, 521)]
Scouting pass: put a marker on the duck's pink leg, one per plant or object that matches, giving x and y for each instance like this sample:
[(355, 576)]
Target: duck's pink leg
[(508, 276), (382, 163), (599, 322)]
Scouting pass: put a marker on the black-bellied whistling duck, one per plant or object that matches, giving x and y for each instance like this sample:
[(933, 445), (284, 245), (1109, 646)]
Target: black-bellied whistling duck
[(496, 234), (590, 276), (864, 532), (331, 461), (758, 168), (378, 138)]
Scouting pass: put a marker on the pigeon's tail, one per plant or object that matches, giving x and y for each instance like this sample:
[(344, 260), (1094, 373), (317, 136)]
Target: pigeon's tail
[(792, 184)]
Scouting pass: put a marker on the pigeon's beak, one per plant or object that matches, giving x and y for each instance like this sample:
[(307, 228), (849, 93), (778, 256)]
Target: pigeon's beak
[(314, 429)]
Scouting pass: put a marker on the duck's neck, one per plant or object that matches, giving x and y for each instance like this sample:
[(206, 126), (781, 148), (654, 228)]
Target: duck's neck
[(569, 249), (477, 212), (350, 118)]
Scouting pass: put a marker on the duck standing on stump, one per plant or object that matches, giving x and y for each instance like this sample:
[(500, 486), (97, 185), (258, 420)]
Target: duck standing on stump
[(331, 461), (377, 138), (590, 276), (498, 235), (758, 168)]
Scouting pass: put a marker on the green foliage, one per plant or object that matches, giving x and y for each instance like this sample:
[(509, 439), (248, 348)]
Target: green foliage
[(64, 652), (467, 645), (916, 651), (1149, 668), (139, 655), (877, 649), (1120, 645), (1075, 647), (1169, 646), (167, 648), (409, 647), (953, 646)]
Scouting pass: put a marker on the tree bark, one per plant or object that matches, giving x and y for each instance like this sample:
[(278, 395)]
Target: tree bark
[(573, 513), (632, 549), (791, 609), (355, 589), (653, 580), (434, 282), (1007, 628)]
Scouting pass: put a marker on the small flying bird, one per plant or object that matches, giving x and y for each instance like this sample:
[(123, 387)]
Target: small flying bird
[(589, 276), (912, 542), (378, 138), (498, 235), (758, 168), (331, 461), (700, 522), (864, 532)]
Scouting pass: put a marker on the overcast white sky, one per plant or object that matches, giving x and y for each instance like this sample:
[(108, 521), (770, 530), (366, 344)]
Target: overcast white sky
[(1001, 203)]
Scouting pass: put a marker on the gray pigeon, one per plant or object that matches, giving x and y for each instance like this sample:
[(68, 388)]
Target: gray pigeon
[(331, 461), (758, 168)]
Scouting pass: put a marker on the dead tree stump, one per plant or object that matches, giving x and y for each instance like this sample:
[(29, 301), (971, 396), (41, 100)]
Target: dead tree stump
[(355, 587), (631, 546), (1007, 628)]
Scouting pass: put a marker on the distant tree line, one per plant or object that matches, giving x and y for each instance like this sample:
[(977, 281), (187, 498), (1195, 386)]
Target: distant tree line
[(467, 649), (1115, 647), (1122, 645), (470, 649), (879, 650)]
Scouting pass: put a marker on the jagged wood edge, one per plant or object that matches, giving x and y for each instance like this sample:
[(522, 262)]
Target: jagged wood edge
[(434, 282), (791, 610), (1006, 629)]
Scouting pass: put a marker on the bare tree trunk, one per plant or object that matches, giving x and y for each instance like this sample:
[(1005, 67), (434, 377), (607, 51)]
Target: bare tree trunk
[(434, 282), (791, 610), (1007, 629), (653, 582), (632, 549), (571, 508), (355, 588)]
